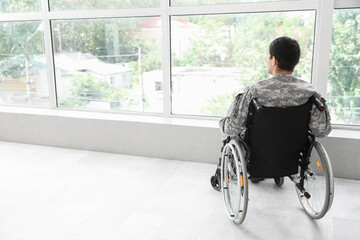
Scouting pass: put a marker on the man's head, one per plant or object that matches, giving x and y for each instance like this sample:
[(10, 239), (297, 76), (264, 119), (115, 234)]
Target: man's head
[(284, 54)]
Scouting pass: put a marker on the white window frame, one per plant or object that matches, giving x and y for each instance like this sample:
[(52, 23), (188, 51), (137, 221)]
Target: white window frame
[(322, 35), (347, 4)]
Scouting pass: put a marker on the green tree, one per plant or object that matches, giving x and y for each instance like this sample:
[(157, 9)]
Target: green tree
[(85, 89), (13, 39), (218, 105), (13, 6)]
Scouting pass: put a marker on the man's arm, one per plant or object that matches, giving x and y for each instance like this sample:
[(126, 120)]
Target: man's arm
[(320, 124), (234, 123), (229, 125)]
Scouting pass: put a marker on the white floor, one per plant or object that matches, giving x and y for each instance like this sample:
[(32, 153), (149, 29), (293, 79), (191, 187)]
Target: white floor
[(54, 193)]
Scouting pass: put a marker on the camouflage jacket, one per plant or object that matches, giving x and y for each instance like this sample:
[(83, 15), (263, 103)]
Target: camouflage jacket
[(278, 91)]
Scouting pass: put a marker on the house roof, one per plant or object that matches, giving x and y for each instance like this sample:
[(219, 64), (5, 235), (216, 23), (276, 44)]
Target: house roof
[(87, 62)]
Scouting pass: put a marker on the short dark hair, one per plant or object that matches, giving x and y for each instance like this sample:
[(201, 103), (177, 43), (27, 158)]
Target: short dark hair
[(286, 51)]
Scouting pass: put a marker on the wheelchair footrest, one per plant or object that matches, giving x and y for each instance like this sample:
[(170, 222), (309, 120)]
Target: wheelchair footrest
[(303, 191)]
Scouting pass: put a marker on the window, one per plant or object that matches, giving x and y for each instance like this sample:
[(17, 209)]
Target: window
[(23, 74), (102, 4), (344, 71), (214, 57), (112, 80), (89, 52), (158, 86), (180, 57)]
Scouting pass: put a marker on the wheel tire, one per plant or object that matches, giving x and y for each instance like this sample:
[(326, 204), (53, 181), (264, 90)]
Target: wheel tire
[(215, 182), (279, 181), (234, 182)]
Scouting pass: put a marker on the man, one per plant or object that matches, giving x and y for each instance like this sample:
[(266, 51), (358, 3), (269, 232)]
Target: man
[(280, 90)]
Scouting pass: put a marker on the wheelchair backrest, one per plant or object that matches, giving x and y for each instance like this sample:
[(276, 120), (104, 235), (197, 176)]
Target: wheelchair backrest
[(276, 137)]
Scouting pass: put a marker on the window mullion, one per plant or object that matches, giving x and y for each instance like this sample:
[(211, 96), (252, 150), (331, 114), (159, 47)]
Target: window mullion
[(322, 46), (105, 13), (166, 58), (49, 54), (8, 17)]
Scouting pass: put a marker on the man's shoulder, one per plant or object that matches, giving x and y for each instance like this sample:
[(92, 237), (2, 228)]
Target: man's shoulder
[(260, 84), (264, 81), (301, 81)]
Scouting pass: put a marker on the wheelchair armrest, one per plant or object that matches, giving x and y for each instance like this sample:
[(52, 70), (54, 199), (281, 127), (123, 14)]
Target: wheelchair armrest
[(318, 103)]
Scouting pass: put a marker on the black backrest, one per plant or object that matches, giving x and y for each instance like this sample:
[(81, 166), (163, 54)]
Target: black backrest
[(276, 136)]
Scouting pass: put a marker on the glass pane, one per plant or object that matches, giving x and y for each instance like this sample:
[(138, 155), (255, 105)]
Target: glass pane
[(208, 2), (214, 57), (61, 5), (109, 63), (344, 72), (13, 6), (23, 75)]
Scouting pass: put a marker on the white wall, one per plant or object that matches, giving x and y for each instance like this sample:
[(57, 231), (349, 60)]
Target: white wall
[(169, 139)]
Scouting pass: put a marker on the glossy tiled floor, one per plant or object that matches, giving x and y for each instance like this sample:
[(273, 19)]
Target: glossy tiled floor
[(53, 193)]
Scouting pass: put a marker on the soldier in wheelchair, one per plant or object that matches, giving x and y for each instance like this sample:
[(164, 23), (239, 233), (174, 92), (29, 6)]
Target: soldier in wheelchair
[(270, 132)]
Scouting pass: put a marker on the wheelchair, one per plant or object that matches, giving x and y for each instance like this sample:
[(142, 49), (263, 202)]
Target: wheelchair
[(277, 144)]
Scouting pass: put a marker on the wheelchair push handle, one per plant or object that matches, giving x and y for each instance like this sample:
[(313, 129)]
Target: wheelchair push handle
[(257, 105), (318, 103)]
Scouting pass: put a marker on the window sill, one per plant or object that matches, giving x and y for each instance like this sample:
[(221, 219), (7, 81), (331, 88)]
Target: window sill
[(115, 116), (339, 131)]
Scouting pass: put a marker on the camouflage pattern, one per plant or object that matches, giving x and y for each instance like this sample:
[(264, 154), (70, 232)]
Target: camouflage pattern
[(281, 90)]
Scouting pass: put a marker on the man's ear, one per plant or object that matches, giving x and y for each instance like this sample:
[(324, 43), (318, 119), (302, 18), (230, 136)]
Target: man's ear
[(274, 61)]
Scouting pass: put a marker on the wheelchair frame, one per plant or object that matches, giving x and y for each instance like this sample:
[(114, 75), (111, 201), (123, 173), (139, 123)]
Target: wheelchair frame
[(232, 177)]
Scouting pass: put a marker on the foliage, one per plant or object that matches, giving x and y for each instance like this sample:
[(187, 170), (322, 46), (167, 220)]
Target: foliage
[(344, 72), (13, 37), (241, 41), (12, 6), (85, 89), (16, 45), (218, 105), (151, 56)]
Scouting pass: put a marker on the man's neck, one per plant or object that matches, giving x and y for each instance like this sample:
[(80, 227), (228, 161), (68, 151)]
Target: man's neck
[(277, 72)]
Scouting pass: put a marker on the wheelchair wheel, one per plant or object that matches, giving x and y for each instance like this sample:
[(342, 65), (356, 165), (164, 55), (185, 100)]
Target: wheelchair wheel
[(319, 183), (234, 184), (279, 181), (215, 180)]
